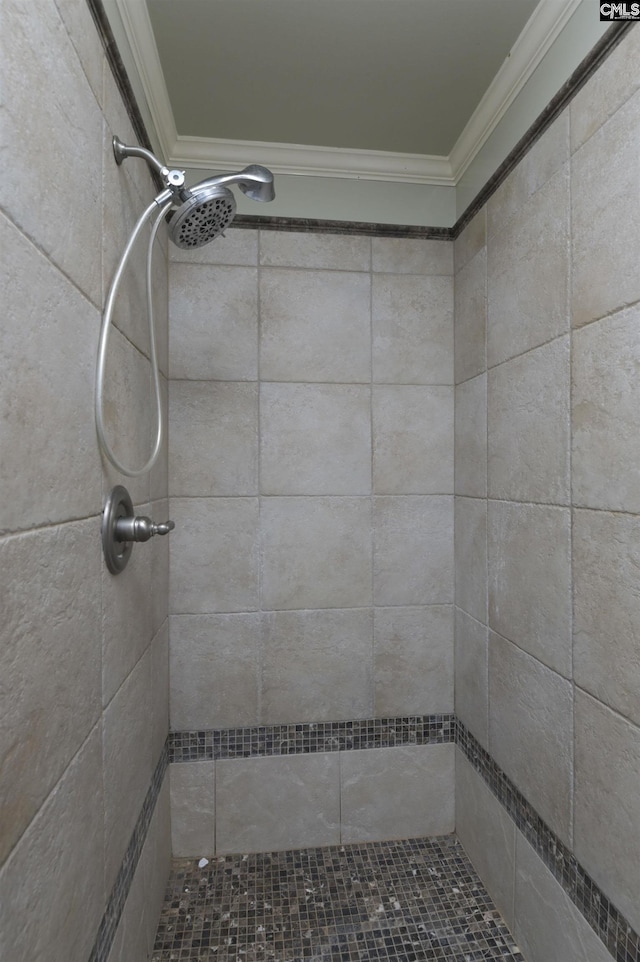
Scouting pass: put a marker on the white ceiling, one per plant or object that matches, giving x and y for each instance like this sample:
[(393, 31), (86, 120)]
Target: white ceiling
[(375, 89)]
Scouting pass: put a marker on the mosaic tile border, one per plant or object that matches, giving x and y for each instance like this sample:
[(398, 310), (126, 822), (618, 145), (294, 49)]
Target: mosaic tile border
[(302, 739), (120, 891), (607, 922), (578, 78)]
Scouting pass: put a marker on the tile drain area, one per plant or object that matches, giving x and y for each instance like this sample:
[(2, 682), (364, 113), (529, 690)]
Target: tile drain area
[(409, 901)]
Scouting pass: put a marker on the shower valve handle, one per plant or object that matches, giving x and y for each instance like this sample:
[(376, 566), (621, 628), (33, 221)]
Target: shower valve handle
[(140, 528)]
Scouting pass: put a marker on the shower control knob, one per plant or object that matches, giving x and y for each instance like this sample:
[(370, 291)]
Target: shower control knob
[(141, 528)]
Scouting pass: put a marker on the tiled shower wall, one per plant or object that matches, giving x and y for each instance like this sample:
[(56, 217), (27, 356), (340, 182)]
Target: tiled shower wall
[(83, 655), (311, 479), (547, 363)]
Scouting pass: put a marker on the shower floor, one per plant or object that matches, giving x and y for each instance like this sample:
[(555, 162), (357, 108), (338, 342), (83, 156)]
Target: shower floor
[(411, 901)]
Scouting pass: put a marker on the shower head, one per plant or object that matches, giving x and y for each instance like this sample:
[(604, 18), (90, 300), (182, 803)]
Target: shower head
[(201, 212)]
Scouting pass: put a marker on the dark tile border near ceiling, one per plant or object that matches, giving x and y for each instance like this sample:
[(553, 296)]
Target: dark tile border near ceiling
[(556, 105)]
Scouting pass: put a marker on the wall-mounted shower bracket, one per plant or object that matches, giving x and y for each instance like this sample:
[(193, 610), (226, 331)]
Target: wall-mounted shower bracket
[(121, 527)]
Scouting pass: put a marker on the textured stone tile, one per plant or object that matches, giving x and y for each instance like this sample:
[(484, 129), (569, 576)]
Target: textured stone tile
[(529, 432), (130, 940), (531, 730), (65, 841), (49, 633), (158, 552), (413, 550), (412, 439), (315, 326), (270, 804), (214, 671), (605, 396), (238, 247), (401, 792), (214, 438), (159, 719), (530, 579), (471, 438), (470, 329), (193, 809), (412, 329), (408, 255), (606, 554), (413, 660), (471, 240), (605, 222), (471, 557), (548, 926), (488, 835), (315, 439), (316, 251), (156, 862), (36, 135), (213, 334), (316, 552), (607, 802), (214, 552), (59, 471), (534, 243), (538, 165), (316, 665), (472, 675)]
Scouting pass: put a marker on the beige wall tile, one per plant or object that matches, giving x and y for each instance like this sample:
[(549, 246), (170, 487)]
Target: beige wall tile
[(56, 473), (472, 675), (159, 718), (389, 793), (530, 579), (606, 91), (159, 473), (413, 550), (605, 222), (130, 941), (159, 551), (36, 136), (537, 166), (315, 439), (471, 557), (534, 243), (214, 671), (471, 438), (156, 862), (531, 730), (214, 553), (86, 40), (66, 842), (471, 240), (607, 802), (316, 552), (317, 251), (128, 767), (314, 326), (488, 835), (413, 660), (470, 329), (607, 608), (528, 420), (238, 247), (49, 633), (605, 397), (316, 665), (548, 926), (213, 334), (412, 329), (276, 803), (193, 830), (408, 255), (412, 439), (214, 438)]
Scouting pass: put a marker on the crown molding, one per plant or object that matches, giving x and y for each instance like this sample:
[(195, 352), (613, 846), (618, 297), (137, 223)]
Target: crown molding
[(542, 29)]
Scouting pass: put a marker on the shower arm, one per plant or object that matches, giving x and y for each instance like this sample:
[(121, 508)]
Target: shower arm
[(173, 179)]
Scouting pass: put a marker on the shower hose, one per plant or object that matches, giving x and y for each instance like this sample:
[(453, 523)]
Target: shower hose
[(107, 318)]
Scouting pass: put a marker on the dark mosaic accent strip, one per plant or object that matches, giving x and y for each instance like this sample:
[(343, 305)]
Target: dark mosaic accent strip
[(310, 226), (115, 905), (192, 746), (604, 918), (583, 72)]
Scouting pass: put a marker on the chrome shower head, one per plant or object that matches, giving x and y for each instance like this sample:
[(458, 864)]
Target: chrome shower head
[(202, 212)]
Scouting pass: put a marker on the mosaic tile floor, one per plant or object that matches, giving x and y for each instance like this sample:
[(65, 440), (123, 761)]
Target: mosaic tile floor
[(409, 901)]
